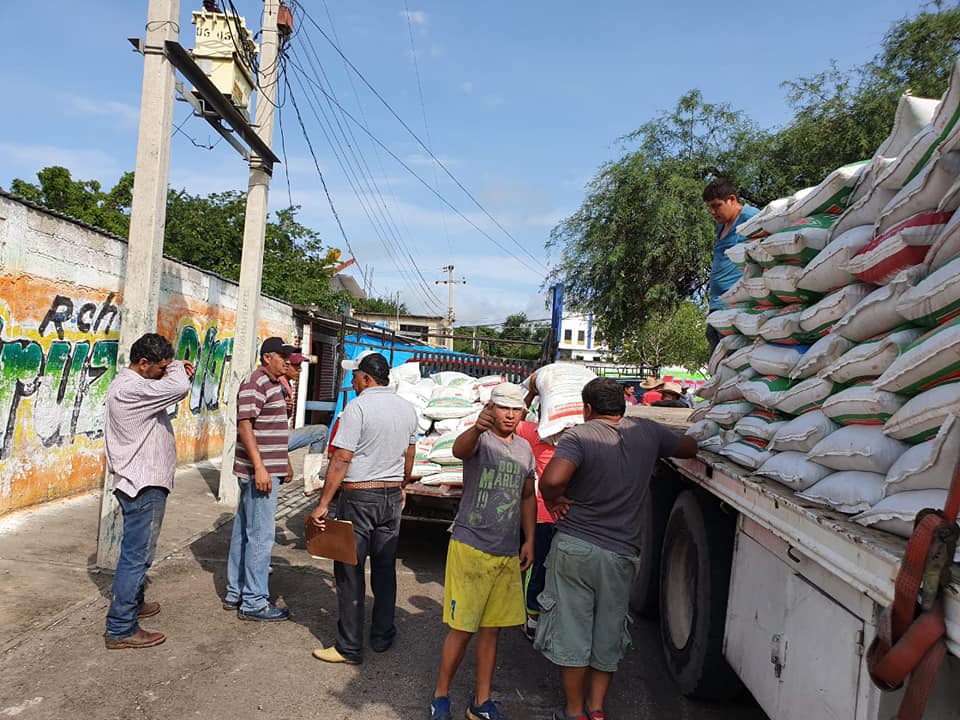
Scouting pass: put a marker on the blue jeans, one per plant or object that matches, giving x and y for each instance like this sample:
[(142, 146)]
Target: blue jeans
[(537, 572), (251, 544), (313, 435), (142, 518), (375, 515)]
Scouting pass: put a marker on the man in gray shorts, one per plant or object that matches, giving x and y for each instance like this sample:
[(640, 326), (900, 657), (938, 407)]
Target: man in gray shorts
[(597, 481)]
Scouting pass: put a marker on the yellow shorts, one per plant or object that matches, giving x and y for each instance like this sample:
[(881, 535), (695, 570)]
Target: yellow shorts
[(481, 590)]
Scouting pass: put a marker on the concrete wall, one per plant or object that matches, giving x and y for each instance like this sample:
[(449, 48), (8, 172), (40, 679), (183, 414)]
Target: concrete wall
[(61, 285)]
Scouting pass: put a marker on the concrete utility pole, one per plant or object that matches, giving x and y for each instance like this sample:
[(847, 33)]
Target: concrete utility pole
[(148, 214), (251, 261), (450, 282)]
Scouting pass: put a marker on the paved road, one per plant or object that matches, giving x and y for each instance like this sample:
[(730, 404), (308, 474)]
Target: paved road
[(213, 666)]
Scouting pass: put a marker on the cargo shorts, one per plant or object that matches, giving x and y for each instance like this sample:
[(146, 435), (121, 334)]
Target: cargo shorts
[(584, 618)]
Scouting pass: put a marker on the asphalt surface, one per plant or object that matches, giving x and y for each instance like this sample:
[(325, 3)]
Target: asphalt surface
[(215, 666)]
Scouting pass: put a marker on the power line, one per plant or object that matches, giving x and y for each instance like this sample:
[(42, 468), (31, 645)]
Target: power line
[(316, 164), (353, 180), (376, 149), (423, 111), (417, 176), (363, 174), (416, 137)]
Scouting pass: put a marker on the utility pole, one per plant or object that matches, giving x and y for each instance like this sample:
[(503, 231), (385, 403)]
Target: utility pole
[(450, 282), (251, 261), (148, 214)]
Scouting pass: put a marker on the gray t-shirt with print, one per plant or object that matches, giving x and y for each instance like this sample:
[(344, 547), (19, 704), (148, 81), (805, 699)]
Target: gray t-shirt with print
[(614, 463), (489, 514)]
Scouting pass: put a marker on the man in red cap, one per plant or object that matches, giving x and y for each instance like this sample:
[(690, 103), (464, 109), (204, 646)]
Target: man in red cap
[(313, 435)]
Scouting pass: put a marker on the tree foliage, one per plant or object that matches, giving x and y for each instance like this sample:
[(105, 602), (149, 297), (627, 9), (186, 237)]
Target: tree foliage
[(383, 306), (204, 231), (641, 242), (676, 338), (516, 327)]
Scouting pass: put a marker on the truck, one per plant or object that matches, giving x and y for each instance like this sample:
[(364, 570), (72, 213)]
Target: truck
[(755, 588)]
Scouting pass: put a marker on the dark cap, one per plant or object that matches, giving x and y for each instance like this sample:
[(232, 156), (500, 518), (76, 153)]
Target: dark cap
[(376, 366), (295, 354), (275, 345)]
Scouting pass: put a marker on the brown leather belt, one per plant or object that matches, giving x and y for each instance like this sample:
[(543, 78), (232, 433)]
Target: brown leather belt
[(371, 485)]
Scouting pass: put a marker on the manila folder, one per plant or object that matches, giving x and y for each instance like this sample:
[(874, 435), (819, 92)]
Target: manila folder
[(336, 542)]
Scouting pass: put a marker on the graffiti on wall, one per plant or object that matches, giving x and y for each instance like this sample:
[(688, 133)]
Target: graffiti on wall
[(64, 366)]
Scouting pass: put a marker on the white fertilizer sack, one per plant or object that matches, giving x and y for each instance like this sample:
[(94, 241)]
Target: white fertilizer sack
[(850, 491), (793, 470), (858, 447)]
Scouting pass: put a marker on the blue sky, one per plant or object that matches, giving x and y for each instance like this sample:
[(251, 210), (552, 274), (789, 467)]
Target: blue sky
[(524, 101)]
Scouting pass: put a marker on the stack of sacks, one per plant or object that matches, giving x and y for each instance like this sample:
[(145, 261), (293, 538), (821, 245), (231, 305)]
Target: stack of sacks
[(861, 411), (441, 454)]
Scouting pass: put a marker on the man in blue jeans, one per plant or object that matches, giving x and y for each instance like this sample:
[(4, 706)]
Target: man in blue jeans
[(141, 460), (372, 462), (261, 464)]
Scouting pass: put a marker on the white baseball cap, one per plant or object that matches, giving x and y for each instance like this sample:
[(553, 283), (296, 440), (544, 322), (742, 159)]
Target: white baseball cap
[(355, 363)]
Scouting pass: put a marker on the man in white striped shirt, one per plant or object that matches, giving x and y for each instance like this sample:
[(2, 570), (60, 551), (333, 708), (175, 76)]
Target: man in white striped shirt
[(141, 459)]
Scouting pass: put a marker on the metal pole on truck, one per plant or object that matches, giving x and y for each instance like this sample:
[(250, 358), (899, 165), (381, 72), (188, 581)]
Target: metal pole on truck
[(148, 212), (251, 261)]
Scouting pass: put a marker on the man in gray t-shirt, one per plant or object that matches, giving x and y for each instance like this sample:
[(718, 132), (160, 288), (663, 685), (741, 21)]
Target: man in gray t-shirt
[(372, 461), (598, 479)]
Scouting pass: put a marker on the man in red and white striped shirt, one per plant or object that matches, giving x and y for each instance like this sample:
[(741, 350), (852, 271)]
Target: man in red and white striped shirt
[(261, 464)]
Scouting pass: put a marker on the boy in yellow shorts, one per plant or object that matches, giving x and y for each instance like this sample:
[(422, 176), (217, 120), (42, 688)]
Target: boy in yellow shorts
[(483, 590)]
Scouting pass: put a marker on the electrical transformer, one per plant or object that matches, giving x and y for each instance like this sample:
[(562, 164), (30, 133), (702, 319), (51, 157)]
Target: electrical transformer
[(226, 52)]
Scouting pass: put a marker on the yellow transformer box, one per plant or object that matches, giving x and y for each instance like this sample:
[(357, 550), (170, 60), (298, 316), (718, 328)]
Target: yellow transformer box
[(226, 53)]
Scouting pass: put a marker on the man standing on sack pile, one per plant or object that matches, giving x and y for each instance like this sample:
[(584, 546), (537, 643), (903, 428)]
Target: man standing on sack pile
[(727, 212), (373, 460), (598, 482), (141, 458)]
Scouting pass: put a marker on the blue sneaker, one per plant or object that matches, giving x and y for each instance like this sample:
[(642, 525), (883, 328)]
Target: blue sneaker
[(490, 710), (440, 708)]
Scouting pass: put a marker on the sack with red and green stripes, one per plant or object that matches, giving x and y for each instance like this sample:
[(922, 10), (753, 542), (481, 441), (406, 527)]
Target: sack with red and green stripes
[(819, 319), (935, 300), (932, 359), (862, 404), (870, 359), (783, 327), (920, 418), (765, 390), (761, 424), (903, 245), (781, 282), (799, 243)]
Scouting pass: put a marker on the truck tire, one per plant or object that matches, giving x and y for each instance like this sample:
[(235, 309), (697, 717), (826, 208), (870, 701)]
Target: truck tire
[(694, 579), (645, 598)]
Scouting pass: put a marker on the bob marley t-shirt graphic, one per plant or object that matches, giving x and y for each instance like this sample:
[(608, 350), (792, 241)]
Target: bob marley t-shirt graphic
[(489, 514)]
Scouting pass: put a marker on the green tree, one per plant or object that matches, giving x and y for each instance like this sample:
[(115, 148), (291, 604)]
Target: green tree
[(382, 306), (516, 327), (84, 200), (206, 232), (641, 241), (676, 338)]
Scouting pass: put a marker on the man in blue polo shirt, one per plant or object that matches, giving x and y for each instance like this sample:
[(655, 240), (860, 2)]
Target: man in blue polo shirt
[(727, 212)]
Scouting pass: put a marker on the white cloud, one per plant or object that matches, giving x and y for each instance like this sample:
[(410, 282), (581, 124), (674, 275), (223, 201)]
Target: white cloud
[(416, 17), (492, 100), (25, 160), (466, 87), (122, 114)]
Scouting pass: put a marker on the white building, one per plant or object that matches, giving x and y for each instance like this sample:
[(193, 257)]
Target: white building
[(578, 339)]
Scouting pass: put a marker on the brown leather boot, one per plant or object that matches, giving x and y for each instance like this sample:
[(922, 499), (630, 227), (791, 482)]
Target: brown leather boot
[(140, 639), (148, 609)]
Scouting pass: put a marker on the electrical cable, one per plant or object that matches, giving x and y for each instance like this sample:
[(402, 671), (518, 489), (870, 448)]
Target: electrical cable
[(410, 170), (423, 111), (362, 170), (354, 183), (376, 150), (417, 138)]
